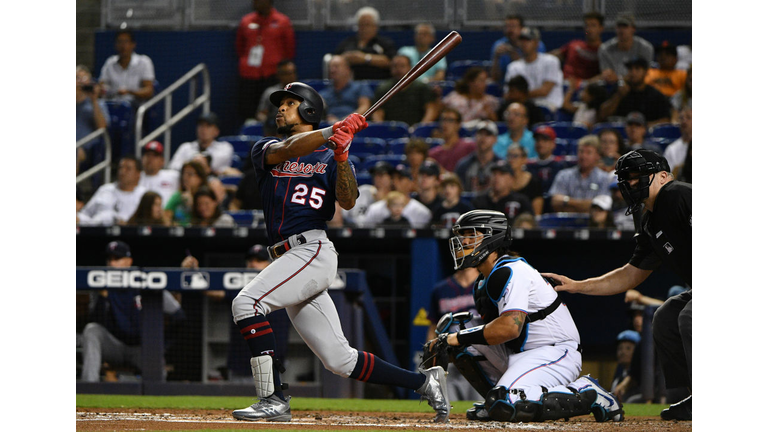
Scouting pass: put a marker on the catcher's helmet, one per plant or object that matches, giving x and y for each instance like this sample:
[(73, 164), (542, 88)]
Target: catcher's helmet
[(645, 163), (311, 106), (476, 234)]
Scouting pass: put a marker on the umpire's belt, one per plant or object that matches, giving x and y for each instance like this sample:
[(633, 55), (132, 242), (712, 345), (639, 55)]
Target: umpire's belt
[(278, 249)]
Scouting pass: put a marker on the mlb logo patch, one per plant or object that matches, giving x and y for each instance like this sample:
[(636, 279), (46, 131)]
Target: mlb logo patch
[(195, 280)]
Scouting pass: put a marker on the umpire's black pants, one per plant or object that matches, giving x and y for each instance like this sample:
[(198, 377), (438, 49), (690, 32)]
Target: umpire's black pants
[(672, 330)]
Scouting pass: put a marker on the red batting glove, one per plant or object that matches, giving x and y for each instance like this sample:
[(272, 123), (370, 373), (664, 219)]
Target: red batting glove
[(355, 123), (342, 138)]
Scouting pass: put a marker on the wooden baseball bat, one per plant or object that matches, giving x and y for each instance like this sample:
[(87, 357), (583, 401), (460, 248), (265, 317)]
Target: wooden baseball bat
[(430, 59)]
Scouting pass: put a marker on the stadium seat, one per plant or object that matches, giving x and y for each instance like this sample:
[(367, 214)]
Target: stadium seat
[(619, 126), (665, 130), (392, 159), (446, 86), (548, 115), (364, 178), (563, 220), (456, 69), (502, 126), (231, 180), (120, 126), (569, 130), (397, 146), (317, 84), (368, 146), (662, 142), (387, 130), (423, 130), (252, 129), (494, 89), (373, 84), (241, 143), (562, 147)]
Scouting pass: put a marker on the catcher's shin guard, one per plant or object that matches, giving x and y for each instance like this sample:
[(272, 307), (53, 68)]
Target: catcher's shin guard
[(470, 369), (556, 405), (551, 405)]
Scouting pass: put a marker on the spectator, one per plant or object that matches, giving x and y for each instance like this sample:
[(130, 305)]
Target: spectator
[(92, 113), (417, 214), (207, 212), (396, 202), (248, 195), (623, 386), (153, 177), (517, 91), (474, 169), (586, 110), (525, 221), (113, 334), (616, 52), (545, 165), (424, 38), (470, 97), (684, 170), (635, 95), (542, 70), (344, 96), (574, 188), (286, 74), (149, 211), (637, 133), (264, 37), (501, 197), (516, 117), (207, 131), (579, 57), (428, 185), (523, 181), (381, 173), (676, 152), (416, 103), (454, 147), (601, 213), (683, 97), (622, 220), (416, 153), (116, 202), (507, 49), (611, 149), (368, 53), (214, 183), (179, 207), (445, 214), (127, 75), (666, 78), (454, 294)]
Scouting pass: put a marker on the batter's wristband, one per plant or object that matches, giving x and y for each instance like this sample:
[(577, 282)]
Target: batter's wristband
[(472, 336), (327, 132)]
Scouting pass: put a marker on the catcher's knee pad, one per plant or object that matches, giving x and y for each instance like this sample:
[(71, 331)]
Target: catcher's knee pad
[(501, 409), (470, 369), (556, 405)]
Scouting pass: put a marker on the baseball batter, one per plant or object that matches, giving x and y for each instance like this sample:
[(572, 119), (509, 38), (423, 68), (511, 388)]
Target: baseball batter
[(523, 352), (300, 179)]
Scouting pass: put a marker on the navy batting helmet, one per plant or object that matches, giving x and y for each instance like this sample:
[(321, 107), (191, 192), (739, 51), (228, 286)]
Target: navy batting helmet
[(476, 234), (644, 164), (311, 106)]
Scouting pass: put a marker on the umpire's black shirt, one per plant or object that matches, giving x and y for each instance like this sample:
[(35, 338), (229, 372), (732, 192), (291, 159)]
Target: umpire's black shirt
[(666, 232)]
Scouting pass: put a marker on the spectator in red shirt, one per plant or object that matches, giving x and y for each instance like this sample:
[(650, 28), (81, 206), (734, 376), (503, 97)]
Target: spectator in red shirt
[(264, 38), (579, 57)]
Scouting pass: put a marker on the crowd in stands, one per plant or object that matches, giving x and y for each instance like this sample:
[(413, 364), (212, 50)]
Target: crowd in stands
[(527, 131)]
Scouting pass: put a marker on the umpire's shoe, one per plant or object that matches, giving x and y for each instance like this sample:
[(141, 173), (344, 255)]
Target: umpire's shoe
[(271, 408), (435, 391), (682, 410), (606, 406)]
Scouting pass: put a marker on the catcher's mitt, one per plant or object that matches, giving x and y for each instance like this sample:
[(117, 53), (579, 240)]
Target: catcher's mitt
[(436, 353)]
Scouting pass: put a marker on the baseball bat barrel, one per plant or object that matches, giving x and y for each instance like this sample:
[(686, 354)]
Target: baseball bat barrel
[(430, 59)]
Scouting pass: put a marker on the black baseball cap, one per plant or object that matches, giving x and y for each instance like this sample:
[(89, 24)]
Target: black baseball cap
[(210, 118), (635, 117), (530, 33), (382, 167), (403, 170), (502, 166), (430, 168), (637, 61), (258, 252), (117, 249)]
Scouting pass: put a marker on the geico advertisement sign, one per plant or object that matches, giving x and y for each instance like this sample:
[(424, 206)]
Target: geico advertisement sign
[(236, 280), (126, 279)]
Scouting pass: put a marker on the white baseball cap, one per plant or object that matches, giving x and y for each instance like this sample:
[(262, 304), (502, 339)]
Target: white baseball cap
[(603, 201)]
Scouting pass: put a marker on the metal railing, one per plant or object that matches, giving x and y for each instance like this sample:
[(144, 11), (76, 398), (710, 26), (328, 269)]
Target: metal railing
[(166, 96), (106, 164)]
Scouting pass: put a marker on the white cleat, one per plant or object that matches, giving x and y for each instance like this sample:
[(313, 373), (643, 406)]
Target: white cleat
[(606, 407)]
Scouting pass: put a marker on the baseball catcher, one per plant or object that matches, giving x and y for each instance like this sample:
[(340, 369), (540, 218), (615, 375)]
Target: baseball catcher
[(523, 351)]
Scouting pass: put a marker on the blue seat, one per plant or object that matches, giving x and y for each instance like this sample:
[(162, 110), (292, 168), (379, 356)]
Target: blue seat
[(253, 129), (368, 146), (619, 126), (569, 130), (494, 89), (562, 147), (397, 146), (242, 217), (445, 86), (373, 84), (318, 84), (387, 130), (241, 143), (563, 220), (662, 142), (457, 68), (120, 127), (364, 178), (423, 130), (231, 180), (502, 126), (392, 159), (665, 130)]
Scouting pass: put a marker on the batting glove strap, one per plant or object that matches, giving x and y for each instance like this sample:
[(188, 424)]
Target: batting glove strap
[(342, 138)]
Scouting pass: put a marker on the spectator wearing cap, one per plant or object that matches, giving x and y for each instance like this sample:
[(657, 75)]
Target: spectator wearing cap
[(381, 175), (474, 169), (622, 386), (633, 94), (153, 175), (574, 188), (428, 185), (207, 131), (113, 334), (507, 49), (524, 182), (451, 206), (418, 214), (454, 147), (116, 202), (542, 70), (517, 91), (601, 213), (616, 52), (517, 120), (545, 165), (500, 196), (637, 133), (666, 78)]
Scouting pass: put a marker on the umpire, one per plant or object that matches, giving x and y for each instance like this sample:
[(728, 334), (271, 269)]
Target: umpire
[(665, 234)]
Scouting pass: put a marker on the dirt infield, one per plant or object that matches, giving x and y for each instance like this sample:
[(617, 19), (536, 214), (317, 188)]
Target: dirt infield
[(174, 420)]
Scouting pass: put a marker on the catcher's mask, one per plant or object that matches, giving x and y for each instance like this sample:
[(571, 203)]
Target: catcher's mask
[(311, 106), (476, 234), (641, 165)]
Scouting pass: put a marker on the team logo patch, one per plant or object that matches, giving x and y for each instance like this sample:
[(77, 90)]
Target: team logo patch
[(668, 247), (295, 169)]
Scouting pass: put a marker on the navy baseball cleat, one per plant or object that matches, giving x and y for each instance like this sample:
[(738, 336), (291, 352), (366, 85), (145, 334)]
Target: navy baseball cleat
[(271, 408), (435, 391), (605, 407), (682, 410)]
